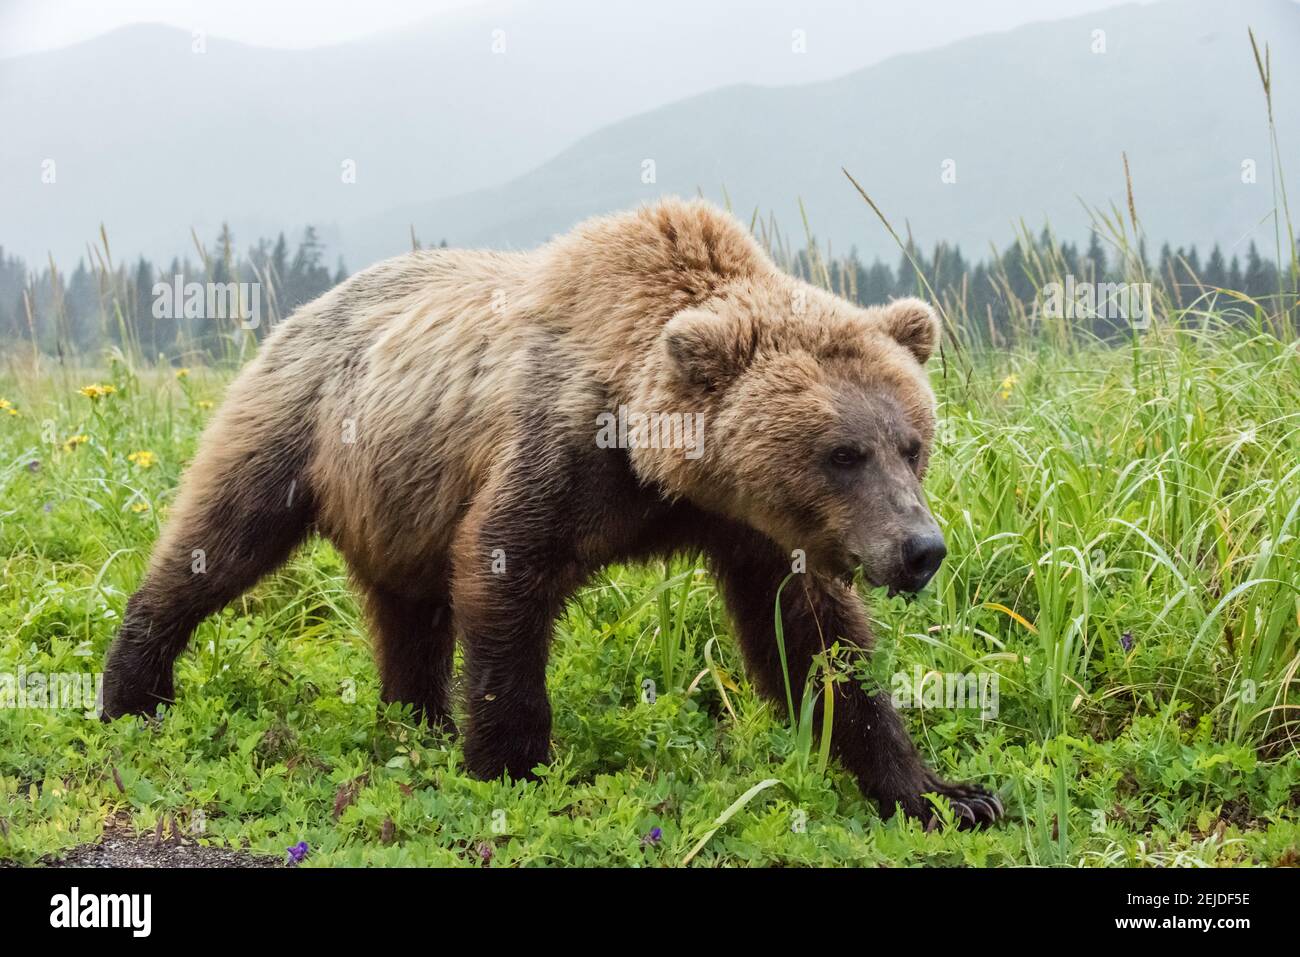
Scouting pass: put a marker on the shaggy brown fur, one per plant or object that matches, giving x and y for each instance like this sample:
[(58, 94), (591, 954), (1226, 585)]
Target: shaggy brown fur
[(436, 416)]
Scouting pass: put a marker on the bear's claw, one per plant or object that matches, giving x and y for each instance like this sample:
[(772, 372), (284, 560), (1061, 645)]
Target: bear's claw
[(973, 807)]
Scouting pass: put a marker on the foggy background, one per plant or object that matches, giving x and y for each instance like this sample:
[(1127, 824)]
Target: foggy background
[(487, 123)]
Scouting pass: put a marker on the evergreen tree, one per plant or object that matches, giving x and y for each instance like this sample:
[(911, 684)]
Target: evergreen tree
[(1216, 271), (1260, 278), (307, 277), (1095, 258), (1235, 276), (156, 336)]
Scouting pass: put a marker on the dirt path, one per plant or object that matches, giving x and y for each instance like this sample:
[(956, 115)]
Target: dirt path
[(130, 851)]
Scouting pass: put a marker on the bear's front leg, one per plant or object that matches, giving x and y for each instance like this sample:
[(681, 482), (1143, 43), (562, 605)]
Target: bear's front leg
[(512, 571), (868, 736)]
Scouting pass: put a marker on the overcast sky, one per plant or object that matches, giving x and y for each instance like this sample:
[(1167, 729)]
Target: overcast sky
[(157, 144), (30, 25)]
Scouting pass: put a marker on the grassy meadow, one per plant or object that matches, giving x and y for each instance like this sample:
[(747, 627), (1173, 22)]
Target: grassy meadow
[(1124, 553)]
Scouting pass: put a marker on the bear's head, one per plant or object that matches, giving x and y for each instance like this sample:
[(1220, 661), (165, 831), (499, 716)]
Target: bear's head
[(818, 422)]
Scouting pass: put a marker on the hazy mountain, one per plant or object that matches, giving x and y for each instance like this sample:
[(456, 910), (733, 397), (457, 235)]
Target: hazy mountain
[(1033, 120), (152, 138)]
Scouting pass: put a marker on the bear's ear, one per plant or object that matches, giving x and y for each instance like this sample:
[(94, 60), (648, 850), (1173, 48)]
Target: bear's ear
[(707, 349), (913, 324)]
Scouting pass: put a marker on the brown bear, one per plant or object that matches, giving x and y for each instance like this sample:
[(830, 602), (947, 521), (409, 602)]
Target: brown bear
[(444, 418)]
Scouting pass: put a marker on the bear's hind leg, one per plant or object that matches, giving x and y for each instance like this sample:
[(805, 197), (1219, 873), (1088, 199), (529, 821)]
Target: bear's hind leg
[(239, 514), (415, 643)]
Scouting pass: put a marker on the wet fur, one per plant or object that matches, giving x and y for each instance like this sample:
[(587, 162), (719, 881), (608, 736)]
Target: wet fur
[(469, 384)]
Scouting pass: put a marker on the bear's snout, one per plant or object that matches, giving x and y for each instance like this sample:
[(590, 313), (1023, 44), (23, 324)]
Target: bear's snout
[(923, 553)]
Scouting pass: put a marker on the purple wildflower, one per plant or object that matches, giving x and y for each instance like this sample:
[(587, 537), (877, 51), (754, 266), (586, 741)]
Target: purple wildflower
[(298, 852), (653, 838), (1126, 641), (485, 851)]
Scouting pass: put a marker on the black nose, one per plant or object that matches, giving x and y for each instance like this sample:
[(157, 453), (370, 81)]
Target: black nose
[(922, 556)]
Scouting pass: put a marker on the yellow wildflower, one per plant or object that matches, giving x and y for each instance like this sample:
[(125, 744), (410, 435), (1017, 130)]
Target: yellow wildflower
[(95, 392), (139, 507), (182, 372), (7, 406), (1008, 384), (144, 459), (204, 403), (75, 440)]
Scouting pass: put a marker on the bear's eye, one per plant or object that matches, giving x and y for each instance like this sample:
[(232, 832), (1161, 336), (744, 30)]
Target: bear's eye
[(846, 457), (912, 452)]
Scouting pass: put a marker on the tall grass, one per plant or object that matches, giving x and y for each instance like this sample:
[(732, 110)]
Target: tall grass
[(1124, 557), (1122, 509)]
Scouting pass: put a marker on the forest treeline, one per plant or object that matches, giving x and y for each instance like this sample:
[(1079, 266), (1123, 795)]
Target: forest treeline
[(102, 304)]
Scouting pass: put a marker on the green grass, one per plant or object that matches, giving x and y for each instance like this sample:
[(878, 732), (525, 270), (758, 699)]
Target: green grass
[(1122, 528)]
